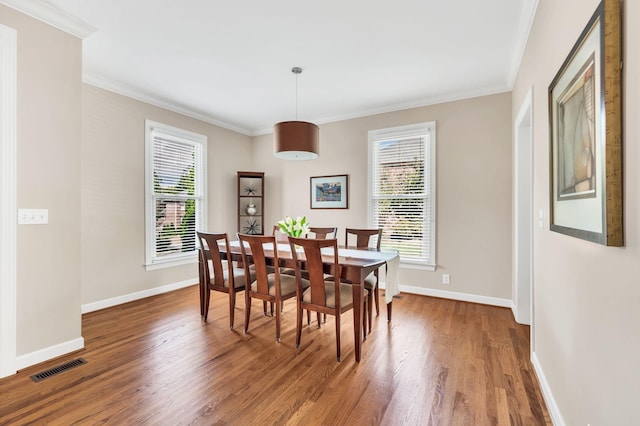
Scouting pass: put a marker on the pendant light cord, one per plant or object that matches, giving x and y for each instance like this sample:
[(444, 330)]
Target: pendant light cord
[(296, 71)]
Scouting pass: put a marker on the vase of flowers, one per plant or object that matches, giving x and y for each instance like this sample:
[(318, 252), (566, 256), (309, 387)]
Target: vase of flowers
[(297, 227)]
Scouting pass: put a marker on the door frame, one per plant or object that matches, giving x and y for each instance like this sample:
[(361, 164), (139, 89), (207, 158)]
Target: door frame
[(522, 290), (8, 209)]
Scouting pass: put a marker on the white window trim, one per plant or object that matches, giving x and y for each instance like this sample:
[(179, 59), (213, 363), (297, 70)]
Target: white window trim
[(181, 259), (400, 132)]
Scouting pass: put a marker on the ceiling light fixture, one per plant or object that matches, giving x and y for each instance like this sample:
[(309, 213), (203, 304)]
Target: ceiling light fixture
[(296, 140)]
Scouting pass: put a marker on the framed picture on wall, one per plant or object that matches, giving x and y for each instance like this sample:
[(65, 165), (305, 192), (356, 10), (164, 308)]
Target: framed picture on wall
[(330, 192), (585, 134)]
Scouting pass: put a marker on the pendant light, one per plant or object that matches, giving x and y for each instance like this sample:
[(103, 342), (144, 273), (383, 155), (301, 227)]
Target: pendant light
[(296, 140)]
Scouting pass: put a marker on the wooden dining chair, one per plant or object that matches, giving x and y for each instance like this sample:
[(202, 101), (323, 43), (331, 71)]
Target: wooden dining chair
[(215, 276), (322, 296), (281, 238), (272, 287), (322, 233), (362, 240)]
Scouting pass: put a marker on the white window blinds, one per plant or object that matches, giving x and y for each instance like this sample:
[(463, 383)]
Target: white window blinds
[(402, 201), (175, 201)]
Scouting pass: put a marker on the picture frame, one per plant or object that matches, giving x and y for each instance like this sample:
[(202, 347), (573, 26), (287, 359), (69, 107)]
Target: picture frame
[(329, 192), (585, 134)]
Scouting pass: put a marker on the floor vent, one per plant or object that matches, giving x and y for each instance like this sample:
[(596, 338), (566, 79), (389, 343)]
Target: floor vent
[(57, 370)]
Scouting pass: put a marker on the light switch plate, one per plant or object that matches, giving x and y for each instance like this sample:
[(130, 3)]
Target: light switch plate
[(33, 216)]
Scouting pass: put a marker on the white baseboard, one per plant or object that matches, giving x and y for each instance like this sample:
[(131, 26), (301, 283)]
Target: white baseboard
[(61, 349), (107, 303), (465, 297), (552, 407), (517, 316), (46, 354)]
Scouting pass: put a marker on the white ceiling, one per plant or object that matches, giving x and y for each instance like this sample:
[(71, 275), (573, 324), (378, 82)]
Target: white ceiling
[(229, 62)]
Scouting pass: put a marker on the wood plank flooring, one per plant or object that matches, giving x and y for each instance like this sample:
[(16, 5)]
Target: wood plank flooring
[(153, 361)]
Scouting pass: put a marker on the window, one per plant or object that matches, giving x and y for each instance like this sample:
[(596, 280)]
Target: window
[(174, 194), (402, 190)]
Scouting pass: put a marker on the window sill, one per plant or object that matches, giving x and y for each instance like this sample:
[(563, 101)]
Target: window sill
[(168, 263), (417, 266)]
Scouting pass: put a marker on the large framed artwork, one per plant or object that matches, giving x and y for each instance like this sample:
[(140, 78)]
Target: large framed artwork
[(585, 134), (330, 192)]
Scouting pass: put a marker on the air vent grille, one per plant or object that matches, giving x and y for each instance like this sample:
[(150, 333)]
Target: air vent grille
[(57, 370)]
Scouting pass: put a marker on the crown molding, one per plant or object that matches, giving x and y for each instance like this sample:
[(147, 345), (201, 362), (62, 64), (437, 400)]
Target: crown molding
[(45, 11), (434, 100), (524, 24), (130, 92), (120, 89)]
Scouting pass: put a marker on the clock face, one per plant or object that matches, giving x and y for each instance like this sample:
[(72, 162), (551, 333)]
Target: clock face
[(252, 227)]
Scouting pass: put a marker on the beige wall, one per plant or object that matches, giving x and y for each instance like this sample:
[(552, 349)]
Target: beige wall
[(48, 177), (113, 221), (81, 149), (587, 296), (474, 157)]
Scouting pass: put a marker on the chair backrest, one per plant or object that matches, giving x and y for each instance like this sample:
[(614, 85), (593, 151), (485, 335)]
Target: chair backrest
[(210, 251), (363, 237), (281, 237), (313, 258), (323, 233), (257, 245)]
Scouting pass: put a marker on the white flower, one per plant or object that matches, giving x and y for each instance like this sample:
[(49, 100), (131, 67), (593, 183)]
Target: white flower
[(294, 227)]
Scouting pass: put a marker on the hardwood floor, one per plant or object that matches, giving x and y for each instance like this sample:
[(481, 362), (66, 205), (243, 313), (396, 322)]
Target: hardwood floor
[(154, 361)]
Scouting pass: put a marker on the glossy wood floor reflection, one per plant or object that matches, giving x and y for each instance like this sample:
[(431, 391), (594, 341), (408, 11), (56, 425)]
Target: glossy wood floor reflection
[(155, 362)]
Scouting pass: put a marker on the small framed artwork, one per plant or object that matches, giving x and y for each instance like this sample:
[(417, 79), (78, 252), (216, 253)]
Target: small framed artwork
[(330, 192), (585, 134)]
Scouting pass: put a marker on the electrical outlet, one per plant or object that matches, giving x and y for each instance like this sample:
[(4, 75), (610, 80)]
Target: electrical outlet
[(446, 279)]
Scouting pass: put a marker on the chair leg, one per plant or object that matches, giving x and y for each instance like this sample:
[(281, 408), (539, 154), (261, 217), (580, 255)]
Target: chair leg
[(365, 311), (370, 307), (376, 295), (277, 324), (232, 308), (201, 299), (338, 336), (308, 317), (202, 286), (264, 306), (299, 314), (207, 297), (247, 311), (318, 317)]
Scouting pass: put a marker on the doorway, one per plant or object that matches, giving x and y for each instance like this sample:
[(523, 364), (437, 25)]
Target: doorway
[(523, 208)]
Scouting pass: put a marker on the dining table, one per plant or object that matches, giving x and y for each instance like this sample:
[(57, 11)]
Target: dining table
[(355, 265)]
